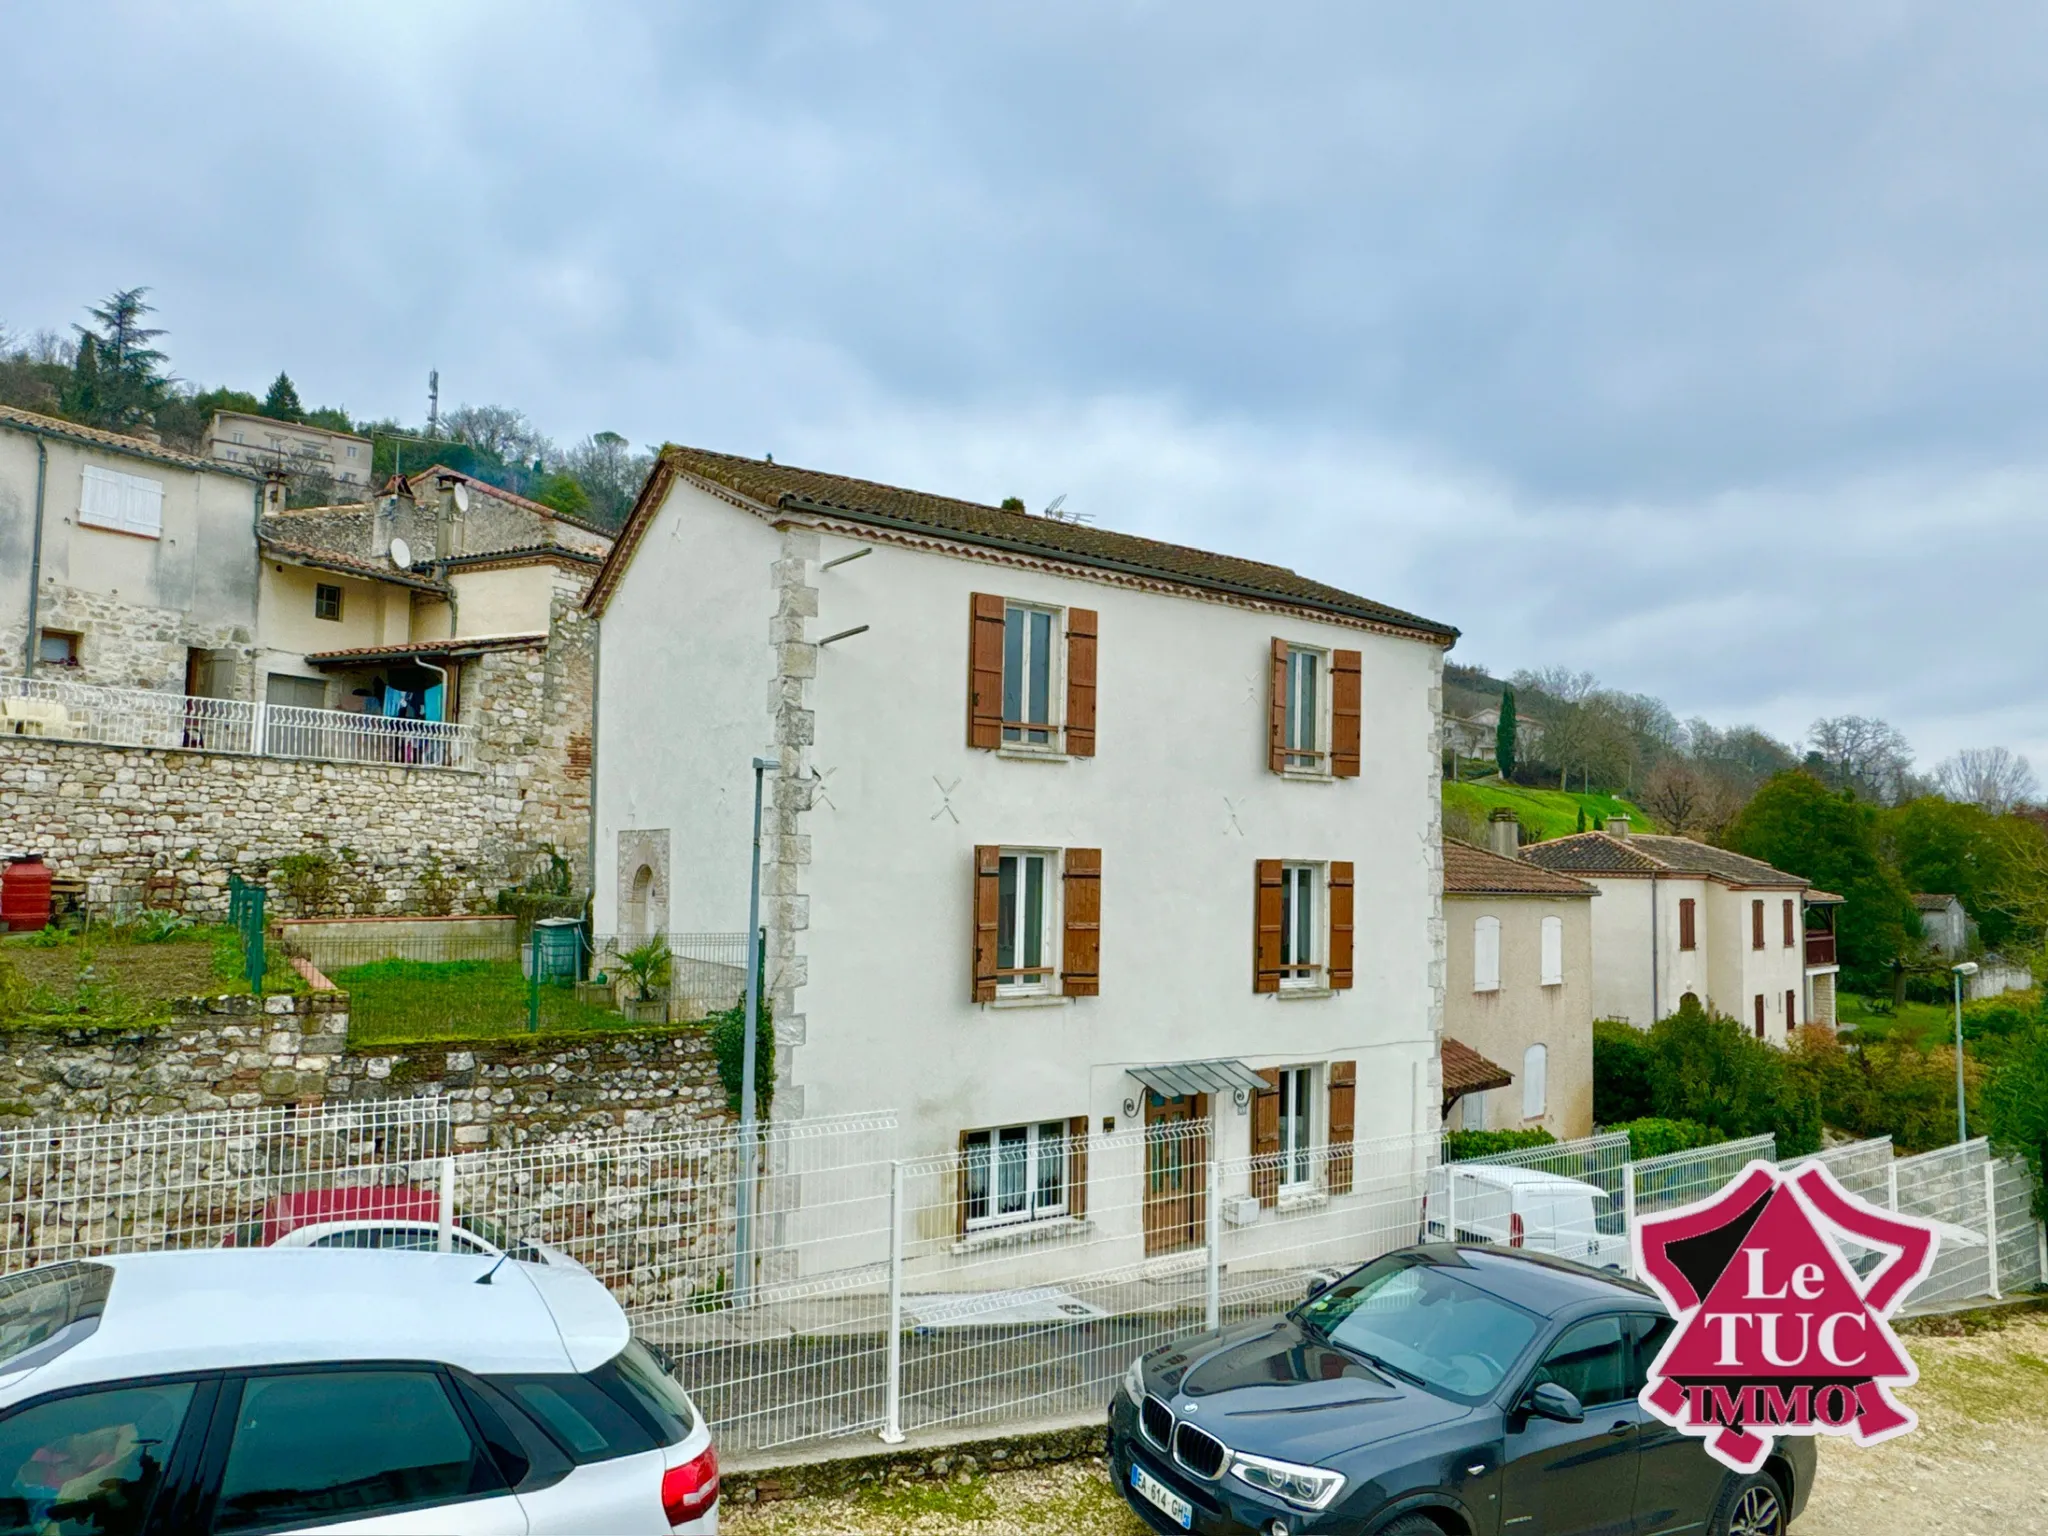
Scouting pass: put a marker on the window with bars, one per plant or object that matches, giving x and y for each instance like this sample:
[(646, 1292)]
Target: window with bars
[(1015, 1173), (1028, 661), (1024, 921), (1300, 956)]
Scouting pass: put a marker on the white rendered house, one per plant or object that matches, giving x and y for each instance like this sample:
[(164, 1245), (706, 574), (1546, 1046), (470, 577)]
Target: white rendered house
[(1074, 832), (1680, 917)]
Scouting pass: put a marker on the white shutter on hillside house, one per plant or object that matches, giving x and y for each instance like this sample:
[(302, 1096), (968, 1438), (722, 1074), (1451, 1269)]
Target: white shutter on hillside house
[(1486, 955), (125, 503), (1553, 952)]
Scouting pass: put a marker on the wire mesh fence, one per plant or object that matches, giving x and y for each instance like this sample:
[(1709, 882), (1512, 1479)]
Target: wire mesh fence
[(454, 981), (839, 1289)]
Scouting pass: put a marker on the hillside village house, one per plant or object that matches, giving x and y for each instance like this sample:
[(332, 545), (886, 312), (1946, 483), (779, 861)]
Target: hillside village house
[(1944, 924), (266, 445), (1072, 831), (1679, 918), (1518, 1004), (180, 612)]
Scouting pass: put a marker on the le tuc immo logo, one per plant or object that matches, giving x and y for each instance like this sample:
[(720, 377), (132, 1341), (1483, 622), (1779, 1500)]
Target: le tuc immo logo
[(1777, 1332)]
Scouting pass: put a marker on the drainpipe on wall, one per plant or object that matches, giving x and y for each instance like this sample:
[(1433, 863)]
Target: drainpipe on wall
[(1656, 1002), (35, 559), (590, 849)]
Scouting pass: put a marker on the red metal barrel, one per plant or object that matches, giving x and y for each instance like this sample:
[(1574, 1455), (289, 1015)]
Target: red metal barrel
[(25, 895)]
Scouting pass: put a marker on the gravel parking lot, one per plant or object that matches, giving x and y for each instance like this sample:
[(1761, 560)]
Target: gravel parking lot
[(1978, 1466)]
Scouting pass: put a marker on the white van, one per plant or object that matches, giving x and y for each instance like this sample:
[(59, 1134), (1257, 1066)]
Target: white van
[(249, 1391), (1525, 1208)]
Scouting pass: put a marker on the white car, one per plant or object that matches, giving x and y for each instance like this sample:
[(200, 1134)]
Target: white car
[(1525, 1208), (420, 1237), (243, 1392)]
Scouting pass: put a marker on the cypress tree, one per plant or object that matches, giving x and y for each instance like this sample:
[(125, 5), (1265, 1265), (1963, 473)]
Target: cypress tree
[(1504, 735)]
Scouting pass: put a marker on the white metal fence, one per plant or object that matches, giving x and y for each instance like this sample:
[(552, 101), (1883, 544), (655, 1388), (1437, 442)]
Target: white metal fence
[(61, 710), (878, 1294)]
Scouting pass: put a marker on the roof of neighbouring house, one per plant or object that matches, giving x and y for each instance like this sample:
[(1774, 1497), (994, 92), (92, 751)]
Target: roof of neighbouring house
[(1649, 853), (525, 554), (1927, 901), (346, 565), (417, 477), (466, 647), (784, 487), (1466, 1071), (1470, 871), (116, 442)]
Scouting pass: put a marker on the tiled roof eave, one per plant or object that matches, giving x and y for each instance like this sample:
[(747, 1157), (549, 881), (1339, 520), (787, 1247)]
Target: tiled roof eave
[(1404, 625)]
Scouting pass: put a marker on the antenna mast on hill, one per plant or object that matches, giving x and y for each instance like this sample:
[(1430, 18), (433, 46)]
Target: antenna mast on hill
[(433, 402)]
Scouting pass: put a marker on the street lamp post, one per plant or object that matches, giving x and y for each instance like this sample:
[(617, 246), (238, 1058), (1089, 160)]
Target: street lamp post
[(1967, 968), (744, 1206)]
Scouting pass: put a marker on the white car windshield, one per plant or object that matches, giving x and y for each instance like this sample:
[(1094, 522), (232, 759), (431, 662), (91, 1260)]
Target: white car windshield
[(1412, 1317)]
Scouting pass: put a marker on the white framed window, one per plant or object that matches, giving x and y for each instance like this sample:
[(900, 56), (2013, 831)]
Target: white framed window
[(238, 437), (326, 601), (1030, 665), (1016, 1173), (128, 503), (1486, 954), (1535, 1084), (1305, 737), (1553, 952), (1301, 926), (351, 450), (1297, 1130), (1025, 879)]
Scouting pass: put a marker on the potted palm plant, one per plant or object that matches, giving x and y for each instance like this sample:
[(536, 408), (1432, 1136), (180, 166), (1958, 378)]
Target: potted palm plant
[(647, 969)]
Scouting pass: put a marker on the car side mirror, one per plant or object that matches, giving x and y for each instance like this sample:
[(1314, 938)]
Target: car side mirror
[(1548, 1400), (1316, 1286)]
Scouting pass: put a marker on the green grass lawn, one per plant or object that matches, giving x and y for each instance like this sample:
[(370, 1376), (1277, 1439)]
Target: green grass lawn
[(415, 1000), (1548, 812), (1924, 1025)]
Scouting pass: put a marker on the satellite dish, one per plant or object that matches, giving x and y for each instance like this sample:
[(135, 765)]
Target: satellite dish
[(401, 554), (461, 497)]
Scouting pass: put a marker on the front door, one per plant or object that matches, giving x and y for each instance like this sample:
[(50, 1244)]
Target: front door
[(1176, 1172), (1578, 1479)]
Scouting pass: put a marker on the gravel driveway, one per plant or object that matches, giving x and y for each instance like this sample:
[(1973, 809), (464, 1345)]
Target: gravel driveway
[(1977, 1466)]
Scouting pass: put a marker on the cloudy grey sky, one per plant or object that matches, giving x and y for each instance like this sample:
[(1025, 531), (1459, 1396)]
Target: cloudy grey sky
[(1701, 346)]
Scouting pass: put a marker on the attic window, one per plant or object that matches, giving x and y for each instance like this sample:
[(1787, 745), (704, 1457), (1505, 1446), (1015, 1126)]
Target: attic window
[(326, 602)]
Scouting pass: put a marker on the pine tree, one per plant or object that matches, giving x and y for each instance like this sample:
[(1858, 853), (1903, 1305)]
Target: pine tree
[(1504, 735), (282, 403), (122, 382)]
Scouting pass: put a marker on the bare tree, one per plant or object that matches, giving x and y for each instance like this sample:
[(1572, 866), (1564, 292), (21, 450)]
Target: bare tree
[(1990, 777), (1690, 799), (1866, 755), (1559, 683), (500, 431)]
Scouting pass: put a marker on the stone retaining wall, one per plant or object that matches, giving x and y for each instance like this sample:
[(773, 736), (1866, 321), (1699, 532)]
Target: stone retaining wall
[(244, 1052)]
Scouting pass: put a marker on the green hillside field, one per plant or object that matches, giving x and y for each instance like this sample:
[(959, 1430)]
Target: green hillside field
[(1546, 812)]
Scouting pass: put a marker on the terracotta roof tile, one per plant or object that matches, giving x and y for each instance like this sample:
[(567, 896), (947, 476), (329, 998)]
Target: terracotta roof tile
[(1466, 1071), (1592, 853), (473, 647), (94, 437), (1644, 853), (864, 501), (330, 560), (1470, 871)]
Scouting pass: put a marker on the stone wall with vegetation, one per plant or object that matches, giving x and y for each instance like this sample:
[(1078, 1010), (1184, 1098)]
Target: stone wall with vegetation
[(244, 1052)]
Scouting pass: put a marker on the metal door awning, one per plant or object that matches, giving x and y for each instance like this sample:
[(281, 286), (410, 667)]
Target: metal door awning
[(1176, 1079)]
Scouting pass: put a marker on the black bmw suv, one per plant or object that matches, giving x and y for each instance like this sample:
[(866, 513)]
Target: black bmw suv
[(1479, 1390)]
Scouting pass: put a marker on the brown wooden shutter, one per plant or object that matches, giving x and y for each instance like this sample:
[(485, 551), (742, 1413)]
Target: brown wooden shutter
[(1759, 1015), (1788, 922), (1266, 1138), (1081, 626), (1341, 883), (1347, 712), (1276, 714), (960, 1187), (1688, 936), (1266, 929), (1077, 1167), (1756, 925), (1081, 962), (1791, 1010), (985, 673), (988, 905), (1343, 1120)]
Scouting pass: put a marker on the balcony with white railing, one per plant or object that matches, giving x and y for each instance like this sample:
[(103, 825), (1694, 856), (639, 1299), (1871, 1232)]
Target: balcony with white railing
[(55, 710)]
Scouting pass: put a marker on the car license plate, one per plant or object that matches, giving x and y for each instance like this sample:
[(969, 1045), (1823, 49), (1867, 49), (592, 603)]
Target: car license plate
[(1163, 1498)]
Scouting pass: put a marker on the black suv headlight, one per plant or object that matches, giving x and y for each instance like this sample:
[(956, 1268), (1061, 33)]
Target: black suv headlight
[(1304, 1487)]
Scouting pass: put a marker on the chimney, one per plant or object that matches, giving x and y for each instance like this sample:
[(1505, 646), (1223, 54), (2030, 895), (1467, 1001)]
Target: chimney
[(1617, 826), (448, 517), (274, 486), (1504, 833)]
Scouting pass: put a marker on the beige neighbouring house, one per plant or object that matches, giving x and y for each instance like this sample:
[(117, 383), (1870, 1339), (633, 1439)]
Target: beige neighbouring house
[(266, 446), (1518, 1004), (1681, 918)]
